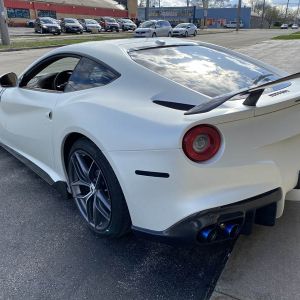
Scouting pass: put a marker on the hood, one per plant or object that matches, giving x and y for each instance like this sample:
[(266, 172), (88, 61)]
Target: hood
[(143, 29)]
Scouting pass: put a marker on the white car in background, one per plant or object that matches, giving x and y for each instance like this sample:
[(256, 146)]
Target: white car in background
[(295, 26), (284, 26), (174, 139), (233, 24), (184, 29), (154, 28)]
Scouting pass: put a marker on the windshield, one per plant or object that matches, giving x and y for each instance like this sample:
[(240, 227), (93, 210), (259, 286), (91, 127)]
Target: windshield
[(48, 21), (73, 21), (182, 26), (90, 22), (202, 69), (147, 24), (110, 20)]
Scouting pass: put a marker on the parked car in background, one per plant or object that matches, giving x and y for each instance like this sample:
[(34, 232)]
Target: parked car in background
[(295, 26), (126, 24), (47, 25), (30, 23), (71, 25), (284, 26), (232, 24), (90, 25), (109, 24), (154, 28), (184, 29)]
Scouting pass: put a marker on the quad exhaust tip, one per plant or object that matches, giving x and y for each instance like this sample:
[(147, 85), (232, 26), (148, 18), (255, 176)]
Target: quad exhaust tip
[(223, 231)]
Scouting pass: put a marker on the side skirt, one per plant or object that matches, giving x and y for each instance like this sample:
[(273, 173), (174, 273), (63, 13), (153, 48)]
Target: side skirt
[(61, 186)]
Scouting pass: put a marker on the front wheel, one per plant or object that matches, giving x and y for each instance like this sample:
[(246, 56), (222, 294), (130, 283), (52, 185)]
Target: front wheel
[(169, 34), (96, 190), (186, 34), (153, 34), (195, 33)]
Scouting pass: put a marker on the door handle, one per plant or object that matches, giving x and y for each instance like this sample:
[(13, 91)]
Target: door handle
[(49, 115)]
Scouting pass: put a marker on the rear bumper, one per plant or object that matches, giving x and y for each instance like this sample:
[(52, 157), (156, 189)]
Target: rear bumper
[(187, 230)]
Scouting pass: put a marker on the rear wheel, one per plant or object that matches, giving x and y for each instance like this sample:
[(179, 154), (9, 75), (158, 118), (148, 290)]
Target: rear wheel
[(96, 190), (186, 34)]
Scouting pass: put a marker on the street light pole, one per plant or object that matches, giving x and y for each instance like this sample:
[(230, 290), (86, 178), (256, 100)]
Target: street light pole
[(238, 15), (3, 26), (147, 10), (263, 15), (286, 10)]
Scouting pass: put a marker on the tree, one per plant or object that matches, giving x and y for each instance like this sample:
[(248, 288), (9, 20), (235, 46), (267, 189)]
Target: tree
[(272, 14)]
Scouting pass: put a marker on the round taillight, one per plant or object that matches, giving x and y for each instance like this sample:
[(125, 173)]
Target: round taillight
[(201, 143)]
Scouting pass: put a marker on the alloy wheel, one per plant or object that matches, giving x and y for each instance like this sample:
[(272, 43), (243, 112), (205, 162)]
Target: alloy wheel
[(90, 190)]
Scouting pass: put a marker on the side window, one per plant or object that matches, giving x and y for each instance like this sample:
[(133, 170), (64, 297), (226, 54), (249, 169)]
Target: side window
[(89, 74), (53, 76)]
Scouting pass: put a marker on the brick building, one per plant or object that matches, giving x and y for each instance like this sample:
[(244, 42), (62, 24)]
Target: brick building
[(19, 11)]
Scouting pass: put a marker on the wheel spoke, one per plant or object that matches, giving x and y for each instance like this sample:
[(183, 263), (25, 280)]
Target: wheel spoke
[(90, 207), (80, 168), (80, 183), (103, 205)]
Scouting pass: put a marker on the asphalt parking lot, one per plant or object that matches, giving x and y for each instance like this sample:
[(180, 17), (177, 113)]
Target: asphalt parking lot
[(47, 252)]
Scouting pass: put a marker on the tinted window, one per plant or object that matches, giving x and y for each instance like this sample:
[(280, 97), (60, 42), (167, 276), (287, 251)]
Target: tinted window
[(18, 13), (202, 69), (89, 74), (44, 79), (165, 23)]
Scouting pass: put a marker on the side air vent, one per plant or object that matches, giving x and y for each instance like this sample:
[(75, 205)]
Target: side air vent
[(278, 93), (174, 105)]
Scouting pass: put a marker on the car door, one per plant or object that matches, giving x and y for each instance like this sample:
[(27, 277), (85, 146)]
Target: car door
[(26, 111), (159, 29)]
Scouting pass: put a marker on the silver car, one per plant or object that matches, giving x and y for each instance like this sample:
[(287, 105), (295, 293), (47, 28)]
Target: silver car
[(185, 29), (154, 28), (91, 25)]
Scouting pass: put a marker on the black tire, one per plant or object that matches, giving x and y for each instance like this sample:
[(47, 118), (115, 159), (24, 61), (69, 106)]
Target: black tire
[(195, 33), (153, 34), (186, 34), (169, 34), (119, 223)]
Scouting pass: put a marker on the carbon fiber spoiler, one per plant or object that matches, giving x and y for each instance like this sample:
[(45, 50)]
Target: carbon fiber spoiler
[(253, 93)]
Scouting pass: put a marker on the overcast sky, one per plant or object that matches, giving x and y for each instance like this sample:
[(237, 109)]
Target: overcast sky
[(293, 3)]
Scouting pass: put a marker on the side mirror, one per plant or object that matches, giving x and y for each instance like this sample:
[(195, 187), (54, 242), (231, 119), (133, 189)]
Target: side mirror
[(9, 80)]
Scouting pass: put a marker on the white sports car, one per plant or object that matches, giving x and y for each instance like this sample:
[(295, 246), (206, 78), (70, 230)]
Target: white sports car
[(174, 139)]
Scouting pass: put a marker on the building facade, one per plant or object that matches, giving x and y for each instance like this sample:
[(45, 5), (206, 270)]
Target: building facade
[(19, 11), (216, 17)]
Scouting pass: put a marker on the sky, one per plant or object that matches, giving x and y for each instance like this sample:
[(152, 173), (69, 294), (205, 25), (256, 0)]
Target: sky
[(292, 4)]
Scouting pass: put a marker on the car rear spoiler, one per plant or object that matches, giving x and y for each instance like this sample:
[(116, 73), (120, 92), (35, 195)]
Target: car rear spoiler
[(253, 93)]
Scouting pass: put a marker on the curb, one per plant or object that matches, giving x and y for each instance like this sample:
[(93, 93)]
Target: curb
[(30, 48)]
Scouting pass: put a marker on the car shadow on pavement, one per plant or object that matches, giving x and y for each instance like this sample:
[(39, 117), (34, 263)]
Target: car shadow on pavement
[(46, 251)]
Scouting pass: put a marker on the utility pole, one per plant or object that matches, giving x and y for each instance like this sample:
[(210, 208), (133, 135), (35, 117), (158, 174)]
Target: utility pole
[(297, 15), (3, 26), (238, 16), (263, 15), (287, 7), (146, 10)]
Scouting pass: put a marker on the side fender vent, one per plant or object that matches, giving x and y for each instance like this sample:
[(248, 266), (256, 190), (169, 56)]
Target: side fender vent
[(174, 105)]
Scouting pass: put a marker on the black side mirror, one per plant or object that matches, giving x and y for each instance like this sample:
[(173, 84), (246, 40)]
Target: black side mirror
[(9, 80)]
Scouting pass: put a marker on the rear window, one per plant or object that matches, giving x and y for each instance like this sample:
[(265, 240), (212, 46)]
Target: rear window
[(207, 71)]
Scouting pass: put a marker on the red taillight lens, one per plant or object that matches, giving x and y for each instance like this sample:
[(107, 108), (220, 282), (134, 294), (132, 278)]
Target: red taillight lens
[(201, 143)]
